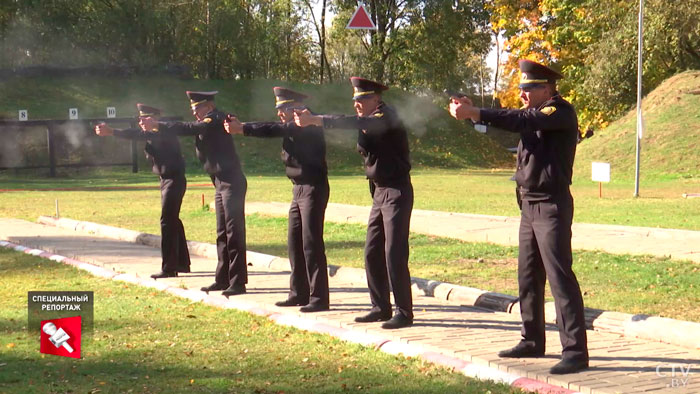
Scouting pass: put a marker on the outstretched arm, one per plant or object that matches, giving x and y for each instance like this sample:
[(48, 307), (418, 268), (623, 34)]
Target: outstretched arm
[(103, 130), (377, 123), (265, 129), (550, 118), (256, 129), (180, 128)]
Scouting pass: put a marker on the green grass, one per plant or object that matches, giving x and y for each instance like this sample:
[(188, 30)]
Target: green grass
[(488, 192), (670, 139), (149, 341), (452, 163), (633, 284), (436, 139)]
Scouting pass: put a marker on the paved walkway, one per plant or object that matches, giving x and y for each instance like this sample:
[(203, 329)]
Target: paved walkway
[(466, 338), (679, 244)]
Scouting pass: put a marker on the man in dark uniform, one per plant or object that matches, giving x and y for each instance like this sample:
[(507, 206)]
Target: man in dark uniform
[(383, 143), (548, 129), (304, 157), (164, 152), (215, 149)]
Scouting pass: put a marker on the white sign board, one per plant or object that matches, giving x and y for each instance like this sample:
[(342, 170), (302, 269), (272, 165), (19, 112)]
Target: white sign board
[(73, 113), (23, 115), (111, 112), (600, 172)]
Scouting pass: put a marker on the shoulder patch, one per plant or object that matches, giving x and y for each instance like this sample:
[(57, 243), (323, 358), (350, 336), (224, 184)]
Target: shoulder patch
[(548, 110), (379, 114), (207, 120)]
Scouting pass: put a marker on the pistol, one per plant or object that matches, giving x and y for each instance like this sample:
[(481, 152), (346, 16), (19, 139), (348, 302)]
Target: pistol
[(454, 93)]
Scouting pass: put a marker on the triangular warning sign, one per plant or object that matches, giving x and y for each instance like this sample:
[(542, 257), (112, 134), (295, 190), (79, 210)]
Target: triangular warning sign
[(361, 20)]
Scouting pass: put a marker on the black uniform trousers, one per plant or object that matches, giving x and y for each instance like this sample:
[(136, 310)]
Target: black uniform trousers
[(386, 249), (545, 252), (308, 282), (229, 200), (173, 245)]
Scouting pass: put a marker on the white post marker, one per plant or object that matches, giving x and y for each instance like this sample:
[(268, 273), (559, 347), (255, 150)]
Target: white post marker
[(111, 112), (23, 115), (600, 172), (73, 113), (361, 19)]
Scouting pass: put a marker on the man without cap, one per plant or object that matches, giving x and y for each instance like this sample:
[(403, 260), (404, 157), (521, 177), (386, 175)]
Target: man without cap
[(216, 150), (304, 157), (383, 143), (165, 154), (548, 129)]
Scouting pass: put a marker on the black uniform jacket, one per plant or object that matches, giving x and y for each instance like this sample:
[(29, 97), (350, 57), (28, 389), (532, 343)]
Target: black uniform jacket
[(303, 149), (547, 145), (382, 141), (214, 146), (162, 149)]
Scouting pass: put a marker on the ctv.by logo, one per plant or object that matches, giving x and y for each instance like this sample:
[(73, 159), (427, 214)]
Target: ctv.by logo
[(680, 374)]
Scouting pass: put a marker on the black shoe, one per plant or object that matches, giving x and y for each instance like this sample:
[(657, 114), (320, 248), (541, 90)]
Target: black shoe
[(290, 302), (314, 308), (164, 274), (214, 287), (184, 270), (398, 321), (234, 290), (568, 365), (521, 350), (373, 316)]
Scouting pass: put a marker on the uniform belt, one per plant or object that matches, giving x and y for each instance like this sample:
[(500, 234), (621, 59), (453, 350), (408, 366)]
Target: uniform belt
[(313, 181), (402, 181), (539, 195)]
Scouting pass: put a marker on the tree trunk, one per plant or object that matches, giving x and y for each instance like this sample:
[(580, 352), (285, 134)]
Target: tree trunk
[(323, 38), (498, 65), (289, 41), (208, 55)]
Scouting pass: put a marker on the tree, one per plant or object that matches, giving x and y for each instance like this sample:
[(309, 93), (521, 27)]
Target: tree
[(321, 32), (418, 45), (390, 17), (595, 48)]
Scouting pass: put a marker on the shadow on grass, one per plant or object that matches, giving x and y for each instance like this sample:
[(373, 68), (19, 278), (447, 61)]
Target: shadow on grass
[(222, 371), (278, 249), (122, 371)]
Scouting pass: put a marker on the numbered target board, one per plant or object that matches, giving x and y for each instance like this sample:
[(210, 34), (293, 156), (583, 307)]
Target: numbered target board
[(111, 112), (23, 115), (73, 113)]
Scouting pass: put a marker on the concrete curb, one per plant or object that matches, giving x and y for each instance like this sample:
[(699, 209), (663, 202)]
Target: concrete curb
[(654, 328), (389, 346)]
